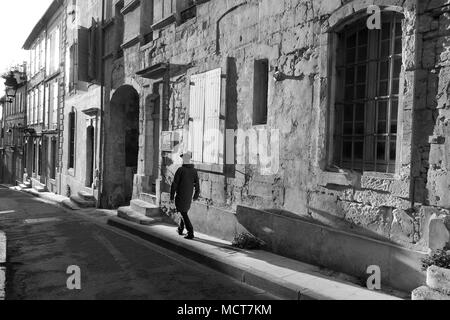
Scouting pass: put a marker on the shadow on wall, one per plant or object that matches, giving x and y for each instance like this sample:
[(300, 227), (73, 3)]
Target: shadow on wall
[(316, 244)]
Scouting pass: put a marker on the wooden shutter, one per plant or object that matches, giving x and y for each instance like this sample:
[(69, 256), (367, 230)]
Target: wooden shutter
[(212, 117), (92, 51), (83, 54), (56, 49), (41, 103), (48, 50), (196, 113), (55, 105), (47, 108)]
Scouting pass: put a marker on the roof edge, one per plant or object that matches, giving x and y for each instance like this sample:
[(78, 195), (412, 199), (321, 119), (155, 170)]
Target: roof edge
[(52, 9)]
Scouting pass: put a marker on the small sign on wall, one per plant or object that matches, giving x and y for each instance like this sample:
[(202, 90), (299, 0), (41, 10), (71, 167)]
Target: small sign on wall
[(167, 141)]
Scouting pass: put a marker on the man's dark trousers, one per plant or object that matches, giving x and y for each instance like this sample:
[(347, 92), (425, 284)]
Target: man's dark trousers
[(186, 222)]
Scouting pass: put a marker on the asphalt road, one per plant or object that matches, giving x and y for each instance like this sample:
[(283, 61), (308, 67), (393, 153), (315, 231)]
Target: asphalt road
[(44, 240)]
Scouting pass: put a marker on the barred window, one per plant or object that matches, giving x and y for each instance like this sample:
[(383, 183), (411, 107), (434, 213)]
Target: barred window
[(368, 68)]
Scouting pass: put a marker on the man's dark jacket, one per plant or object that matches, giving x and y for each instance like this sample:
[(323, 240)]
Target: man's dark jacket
[(185, 181)]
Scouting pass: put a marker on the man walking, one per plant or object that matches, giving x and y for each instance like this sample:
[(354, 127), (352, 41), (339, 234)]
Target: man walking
[(185, 181)]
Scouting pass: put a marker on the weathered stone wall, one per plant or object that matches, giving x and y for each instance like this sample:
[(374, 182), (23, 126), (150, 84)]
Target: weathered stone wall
[(294, 36), (84, 96)]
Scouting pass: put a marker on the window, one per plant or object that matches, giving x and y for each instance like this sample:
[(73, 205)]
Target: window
[(71, 160), (163, 9), (120, 29), (40, 157), (29, 109), (205, 109), (53, 51), (260, 92), (35, 103), (72, 66), (108, 9), (51, 98), (55, 104), (368, 71), (41, 107), (35, 147), (53, 155), (41, 54)]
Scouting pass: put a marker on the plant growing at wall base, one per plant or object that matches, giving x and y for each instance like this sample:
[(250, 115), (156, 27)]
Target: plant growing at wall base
[(248, 241), (440, 258)]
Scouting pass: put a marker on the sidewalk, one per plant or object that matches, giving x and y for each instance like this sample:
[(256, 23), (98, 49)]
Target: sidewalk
[(283, 277), (2, 264), (48, 196)]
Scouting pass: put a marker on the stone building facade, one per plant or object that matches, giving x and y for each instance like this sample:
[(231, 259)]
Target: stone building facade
[(81, 116), (361, 116), (14, 116), (322, 134), (45, 99)]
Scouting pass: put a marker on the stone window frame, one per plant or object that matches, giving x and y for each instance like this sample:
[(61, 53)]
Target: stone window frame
[(399, 183)]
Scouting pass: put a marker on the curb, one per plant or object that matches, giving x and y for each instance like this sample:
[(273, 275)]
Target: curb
[(2, 265), (311, 286), (239, 273)]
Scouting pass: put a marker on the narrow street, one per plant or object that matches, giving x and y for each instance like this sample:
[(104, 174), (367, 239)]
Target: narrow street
[(44, 240)]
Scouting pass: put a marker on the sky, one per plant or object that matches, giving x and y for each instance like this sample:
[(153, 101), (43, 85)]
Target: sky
[(17, 20)]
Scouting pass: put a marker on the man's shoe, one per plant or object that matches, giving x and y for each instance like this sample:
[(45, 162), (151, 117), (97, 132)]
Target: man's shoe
[(180, 232), (189, 237)]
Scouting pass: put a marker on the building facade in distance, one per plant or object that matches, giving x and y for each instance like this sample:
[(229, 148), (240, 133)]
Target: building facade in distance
[(83, 99), (45, 99), (14, 121)]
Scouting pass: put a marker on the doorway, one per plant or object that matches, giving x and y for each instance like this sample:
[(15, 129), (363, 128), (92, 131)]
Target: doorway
[(121, 146)]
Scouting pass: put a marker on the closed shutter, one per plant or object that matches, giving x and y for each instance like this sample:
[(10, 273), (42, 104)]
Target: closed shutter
[(48, 58), (196, 113), (69, 70), (92, 51), (41, 104), (42, 54), (56, 49), (55, 105), (212, 117), (47, 106), (83, 54)]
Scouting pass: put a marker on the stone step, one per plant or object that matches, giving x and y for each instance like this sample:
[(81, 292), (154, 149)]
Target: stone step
[(68, 204), (86, 196), (127, 213), (439, 279), (145, 208), (41, 189), (83, 203), (428, 294), (150, 198)]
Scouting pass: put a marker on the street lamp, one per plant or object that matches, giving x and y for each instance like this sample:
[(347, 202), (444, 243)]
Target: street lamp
[(11, 86)]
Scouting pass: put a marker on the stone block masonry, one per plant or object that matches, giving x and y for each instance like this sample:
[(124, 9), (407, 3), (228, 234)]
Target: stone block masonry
[(293, 37)]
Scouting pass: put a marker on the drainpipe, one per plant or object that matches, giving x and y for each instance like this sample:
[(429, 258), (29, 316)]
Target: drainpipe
[(102, 111)]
